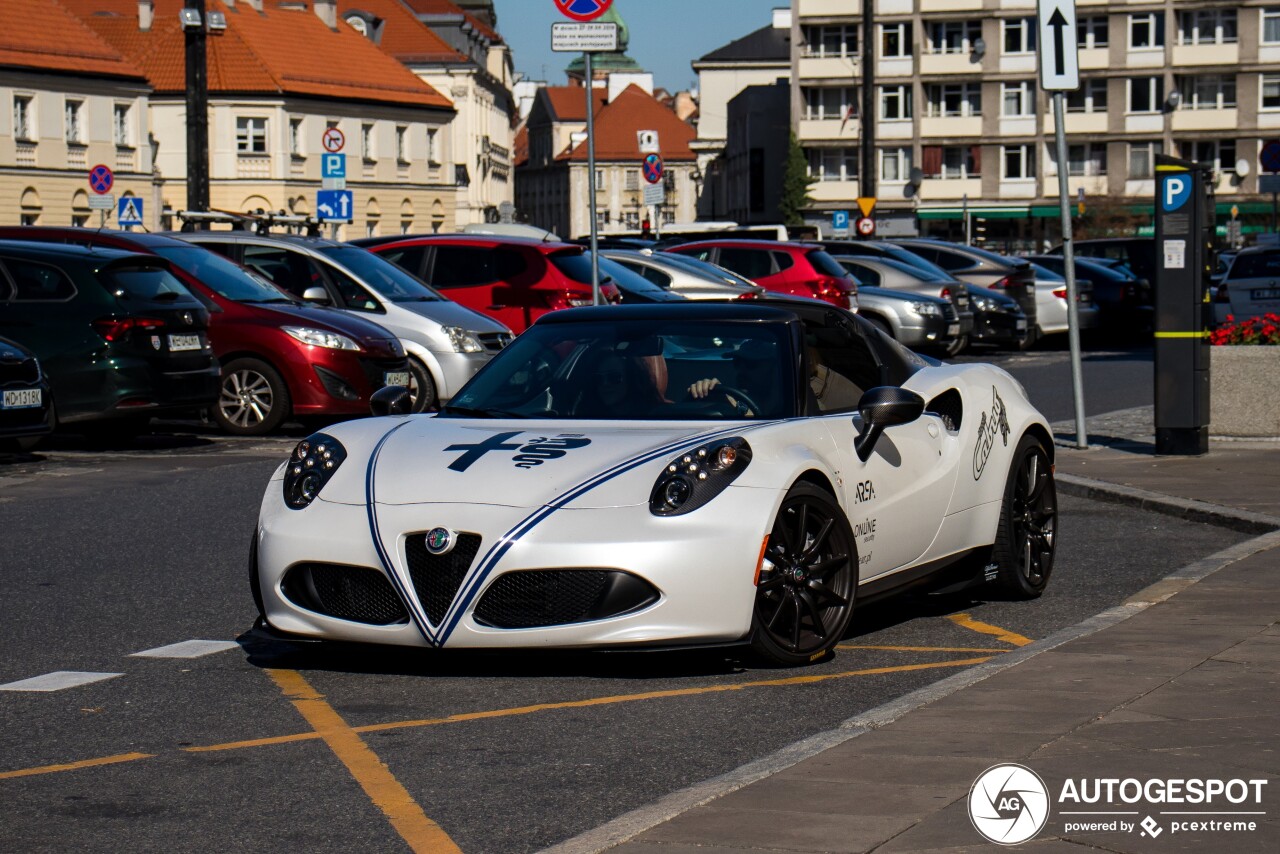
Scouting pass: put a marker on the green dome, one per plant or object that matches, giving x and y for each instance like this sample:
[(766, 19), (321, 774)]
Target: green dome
[(605, 63)]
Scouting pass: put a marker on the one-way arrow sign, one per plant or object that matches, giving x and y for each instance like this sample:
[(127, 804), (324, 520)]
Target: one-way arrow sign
[(1059, 55)]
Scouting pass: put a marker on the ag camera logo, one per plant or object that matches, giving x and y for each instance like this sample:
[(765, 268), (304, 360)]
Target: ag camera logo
[(1008, 804), (1175, 191)]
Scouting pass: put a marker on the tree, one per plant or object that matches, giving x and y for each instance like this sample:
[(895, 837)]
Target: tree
[(795, 185)]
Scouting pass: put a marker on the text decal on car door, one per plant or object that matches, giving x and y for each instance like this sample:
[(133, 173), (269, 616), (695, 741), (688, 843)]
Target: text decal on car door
[(532, 453), (988, 426)]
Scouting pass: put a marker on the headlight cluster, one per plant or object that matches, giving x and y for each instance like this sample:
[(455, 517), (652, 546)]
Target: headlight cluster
[(320, 338), (462, 340), (311, 464), (697, 476), (925, 309)]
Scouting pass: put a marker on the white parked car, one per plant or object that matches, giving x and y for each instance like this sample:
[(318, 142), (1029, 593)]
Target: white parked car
[(1051, 302)]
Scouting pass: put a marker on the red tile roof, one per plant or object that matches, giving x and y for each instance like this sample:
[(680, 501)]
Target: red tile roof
[(26, 41), (635, 110), (569, 103), (520, 148), (447, 7), (404, 36), (278, 51)]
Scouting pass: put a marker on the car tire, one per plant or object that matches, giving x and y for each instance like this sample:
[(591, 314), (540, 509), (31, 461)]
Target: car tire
[(881, 324), (253, 399), (810, 576), (422, 388), (1027, 533), (956, 347)]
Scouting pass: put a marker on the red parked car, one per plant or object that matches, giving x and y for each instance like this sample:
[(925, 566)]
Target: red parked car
[(511, 279), (800, 269), (280, 357)]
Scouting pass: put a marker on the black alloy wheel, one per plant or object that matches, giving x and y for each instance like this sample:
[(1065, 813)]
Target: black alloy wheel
[(1027, 533), (956, 346), (805, 596)]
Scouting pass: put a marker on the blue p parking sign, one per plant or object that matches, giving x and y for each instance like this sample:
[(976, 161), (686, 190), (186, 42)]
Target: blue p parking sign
[(1174, 191), (840, 220)]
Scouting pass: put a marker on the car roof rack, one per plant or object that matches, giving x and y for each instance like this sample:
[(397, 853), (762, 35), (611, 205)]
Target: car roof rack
[(259, 222)]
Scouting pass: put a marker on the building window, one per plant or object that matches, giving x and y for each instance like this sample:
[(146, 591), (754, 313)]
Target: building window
[(952, 161), (1091, 31), (632, 180), (1207, 91), (953, 36), (402, 145), (251, 135), (895, 164), (75, 122), (1271, 25), (1018, 99), (1207, 26), (1019, 35), (946, 100), (830, 102), (1219, 153), (433, 147), (1083, 159), (833, 164), (895, 102), (1019, 161), (1271, 91), (1146, 94), (831, 41), (366, 142), (1146, 30), (295, 137), (602, 219), (23, 117), (1091, 97), (120, 126), (1142, 159), (895, 40), (631, 220)]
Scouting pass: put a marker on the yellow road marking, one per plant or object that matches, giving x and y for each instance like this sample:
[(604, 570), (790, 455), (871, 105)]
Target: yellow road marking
[(521, 710), (72, 766), (1005, 635), (421, 833), (920, 648)]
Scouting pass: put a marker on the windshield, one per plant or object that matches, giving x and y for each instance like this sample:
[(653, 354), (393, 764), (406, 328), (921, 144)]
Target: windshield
[(632, 283), (919, 274), (575, 265), (1044, 274), (387, 279), (636, 370), (703, 268), (225, 277), (910, 259), (825, 264), (1255, 265), (145, 283)]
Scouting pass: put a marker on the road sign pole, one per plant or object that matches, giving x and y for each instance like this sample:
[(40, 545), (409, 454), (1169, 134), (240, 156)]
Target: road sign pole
[(197, 110), (591, 183), (1069, 265)]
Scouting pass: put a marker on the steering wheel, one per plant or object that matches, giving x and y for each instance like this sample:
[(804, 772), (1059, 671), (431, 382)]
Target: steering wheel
[(744, 403)]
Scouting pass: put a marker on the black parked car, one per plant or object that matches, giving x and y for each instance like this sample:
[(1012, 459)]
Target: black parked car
[(1124, 299), (997, 318), (976, 266), (119, 336), (24, 397)]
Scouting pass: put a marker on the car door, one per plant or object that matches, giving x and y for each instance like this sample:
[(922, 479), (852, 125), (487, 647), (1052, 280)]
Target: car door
[(897, 498)]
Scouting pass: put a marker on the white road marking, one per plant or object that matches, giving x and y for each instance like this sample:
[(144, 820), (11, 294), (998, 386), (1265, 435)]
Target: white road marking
[(58, 680), (187, 649)]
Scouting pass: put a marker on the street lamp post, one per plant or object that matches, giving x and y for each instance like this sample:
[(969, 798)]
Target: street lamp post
[(867, 180), (195, 31)]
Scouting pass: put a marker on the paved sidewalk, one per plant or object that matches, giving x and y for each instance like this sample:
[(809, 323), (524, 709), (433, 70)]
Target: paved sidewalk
[(1181, 682)]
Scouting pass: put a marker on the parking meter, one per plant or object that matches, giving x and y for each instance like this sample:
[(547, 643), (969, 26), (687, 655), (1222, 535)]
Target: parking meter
[(1183, 253)]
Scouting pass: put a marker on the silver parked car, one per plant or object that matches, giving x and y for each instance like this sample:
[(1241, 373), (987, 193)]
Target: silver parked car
[(446, 342), (895, 275), (1250, 287), (915, 320), (1051, 302), (686, 280)]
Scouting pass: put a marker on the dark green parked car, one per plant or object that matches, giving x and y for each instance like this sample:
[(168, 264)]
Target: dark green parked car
[(118, 335)]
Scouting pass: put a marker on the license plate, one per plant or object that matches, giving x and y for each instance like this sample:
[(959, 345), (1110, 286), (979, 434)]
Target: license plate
[(178, 343), (1265, 293), (1021, 324), (396, 378), (21, 399), (953, 329)]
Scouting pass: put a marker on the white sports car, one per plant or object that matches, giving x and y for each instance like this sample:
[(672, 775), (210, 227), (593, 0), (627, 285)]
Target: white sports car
[(672, 475)]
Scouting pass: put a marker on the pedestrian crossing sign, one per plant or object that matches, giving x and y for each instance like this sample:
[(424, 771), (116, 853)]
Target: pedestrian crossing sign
[(129, 211)]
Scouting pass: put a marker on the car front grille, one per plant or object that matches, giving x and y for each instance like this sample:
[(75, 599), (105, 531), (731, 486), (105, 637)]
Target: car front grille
[(355, 593), (556, 597), (25, 372), (436, 578), (494, 341), (949, 313)]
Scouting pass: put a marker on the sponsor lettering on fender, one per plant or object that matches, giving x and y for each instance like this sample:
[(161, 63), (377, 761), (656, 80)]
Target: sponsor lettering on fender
[(996, 421)]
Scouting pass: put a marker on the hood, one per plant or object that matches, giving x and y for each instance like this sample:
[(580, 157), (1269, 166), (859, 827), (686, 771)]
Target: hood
[(525, 463), (365, 332), (448, 313)]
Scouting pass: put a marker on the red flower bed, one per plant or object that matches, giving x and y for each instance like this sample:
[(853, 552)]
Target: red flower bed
[(1255, 330)]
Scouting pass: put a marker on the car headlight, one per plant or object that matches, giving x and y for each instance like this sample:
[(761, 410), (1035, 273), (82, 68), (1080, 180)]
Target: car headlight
[(462, 340), (697, 476), (311, 464), (925, 309), (985, 304), (320, 338)]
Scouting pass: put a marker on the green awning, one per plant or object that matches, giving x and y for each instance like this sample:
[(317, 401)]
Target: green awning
[(975, 212)]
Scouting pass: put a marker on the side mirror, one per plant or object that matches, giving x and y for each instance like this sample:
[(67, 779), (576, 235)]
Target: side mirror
[(391, 400), (316, 294), (886, 406)]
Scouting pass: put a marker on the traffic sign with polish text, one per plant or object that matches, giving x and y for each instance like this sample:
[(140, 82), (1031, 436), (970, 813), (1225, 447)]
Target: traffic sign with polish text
[(1059, 49), (103, 202), (101, 179), (334, 205), (599, 37), (333, 140), (654, 194), (129, 211), (583, 10), (866, 204)]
